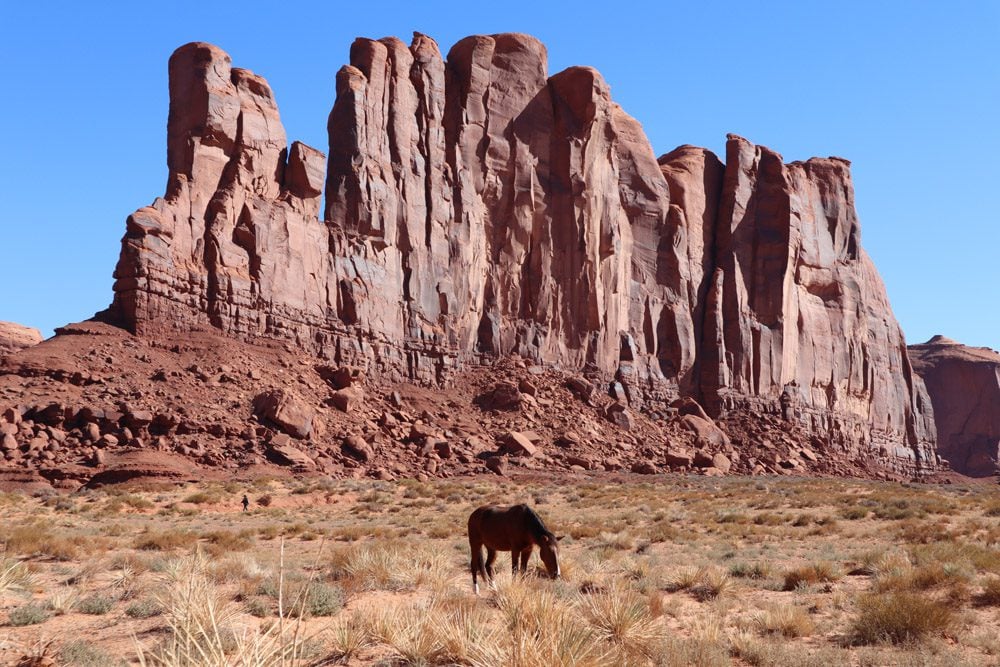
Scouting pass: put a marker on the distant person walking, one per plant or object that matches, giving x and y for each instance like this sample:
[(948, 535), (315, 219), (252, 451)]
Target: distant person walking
[(246, 502)]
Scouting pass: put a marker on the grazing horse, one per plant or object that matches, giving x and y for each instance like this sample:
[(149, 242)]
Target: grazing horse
[(516, 529)]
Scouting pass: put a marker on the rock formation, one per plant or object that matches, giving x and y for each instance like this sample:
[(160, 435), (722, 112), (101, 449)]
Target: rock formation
[(477, 207), (14, 337), (964, 386)]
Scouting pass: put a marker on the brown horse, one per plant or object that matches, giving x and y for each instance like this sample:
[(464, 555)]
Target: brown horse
[(516, 529)]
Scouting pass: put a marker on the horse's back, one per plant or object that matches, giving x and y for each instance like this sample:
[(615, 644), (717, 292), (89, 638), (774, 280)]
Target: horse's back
[(499, 527)]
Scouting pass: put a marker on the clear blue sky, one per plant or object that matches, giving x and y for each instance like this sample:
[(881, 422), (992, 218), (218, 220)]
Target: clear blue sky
[(909, 91)]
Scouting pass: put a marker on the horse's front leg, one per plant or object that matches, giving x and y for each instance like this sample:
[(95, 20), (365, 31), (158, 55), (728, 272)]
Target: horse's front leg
[(525, 556), (491, 556)]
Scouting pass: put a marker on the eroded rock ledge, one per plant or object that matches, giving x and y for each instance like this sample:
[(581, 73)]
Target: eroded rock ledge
[(478, 207)]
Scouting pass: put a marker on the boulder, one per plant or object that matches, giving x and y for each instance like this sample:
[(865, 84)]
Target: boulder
[(678, 458), (518, 444), (496, 464), (703, 459), (502, 396), (347, 400), (282, 451), (721, 463), (581, 387), (357, 448), (619, 415), (286, 411), (706, 433)]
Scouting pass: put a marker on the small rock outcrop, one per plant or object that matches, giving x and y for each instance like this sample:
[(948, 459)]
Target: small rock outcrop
[(964, 386), (477, 207), (14, 337)]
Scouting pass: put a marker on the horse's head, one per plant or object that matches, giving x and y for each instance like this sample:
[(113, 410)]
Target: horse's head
[(548, 549)]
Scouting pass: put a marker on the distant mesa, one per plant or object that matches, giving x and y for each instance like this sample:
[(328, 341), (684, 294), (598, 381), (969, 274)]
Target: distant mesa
[(14, 337), (964, 386)]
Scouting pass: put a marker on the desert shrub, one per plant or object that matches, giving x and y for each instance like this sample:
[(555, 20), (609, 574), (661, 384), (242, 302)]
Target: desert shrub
[(96, 605), (38, 539), (166, 540), (810, 574), (80, 653), (323, 599), (221, 542), (265, 500), (900, 617), (750, 570), (258, 606), (853, 513), (28, 614), (145, 608), (204, 498)]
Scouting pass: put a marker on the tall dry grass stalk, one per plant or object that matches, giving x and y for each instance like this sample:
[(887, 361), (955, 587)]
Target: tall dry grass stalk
[(205, 629)]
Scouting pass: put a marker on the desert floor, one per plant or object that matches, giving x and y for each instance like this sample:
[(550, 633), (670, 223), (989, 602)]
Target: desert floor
[(665, 570)]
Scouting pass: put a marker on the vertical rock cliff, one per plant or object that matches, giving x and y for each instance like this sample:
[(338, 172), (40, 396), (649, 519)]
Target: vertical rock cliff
[(477, 207), (964, 386)]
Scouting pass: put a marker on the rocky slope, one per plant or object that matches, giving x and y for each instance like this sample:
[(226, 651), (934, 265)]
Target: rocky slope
[(476, 208), (964, 386), (98, 405), (14, 337)]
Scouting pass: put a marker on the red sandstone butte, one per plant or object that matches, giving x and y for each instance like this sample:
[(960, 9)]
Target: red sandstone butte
[(478, 207), (14, 337), (964, 385)]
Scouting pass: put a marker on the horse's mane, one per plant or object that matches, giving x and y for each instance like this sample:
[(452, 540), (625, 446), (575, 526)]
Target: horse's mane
[(535, 525)]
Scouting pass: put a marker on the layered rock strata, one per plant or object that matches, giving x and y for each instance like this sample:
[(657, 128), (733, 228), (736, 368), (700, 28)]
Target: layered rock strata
[(477, 207), (964, 386)]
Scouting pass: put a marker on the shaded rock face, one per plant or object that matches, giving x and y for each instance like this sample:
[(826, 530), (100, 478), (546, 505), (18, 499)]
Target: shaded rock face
[(477, 207), (964, 386), (14, 337)]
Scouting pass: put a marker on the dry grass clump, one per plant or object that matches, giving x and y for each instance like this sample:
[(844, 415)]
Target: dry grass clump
[(164, 540), (901, 617), (922, 578), (990, 596), (703, 583), (390, 565), (14, 575), (785, 620), (204, 628), (623, 618), (808, 575), (39, 539)]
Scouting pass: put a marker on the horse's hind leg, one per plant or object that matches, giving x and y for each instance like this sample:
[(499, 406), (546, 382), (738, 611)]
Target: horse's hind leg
[(476, 564)]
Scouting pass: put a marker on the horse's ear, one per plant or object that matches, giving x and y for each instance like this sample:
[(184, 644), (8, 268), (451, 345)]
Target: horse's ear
[(559, 538)]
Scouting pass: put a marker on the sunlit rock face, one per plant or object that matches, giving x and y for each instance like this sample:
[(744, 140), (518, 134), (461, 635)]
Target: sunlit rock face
[(477, 207), (964, 386)]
